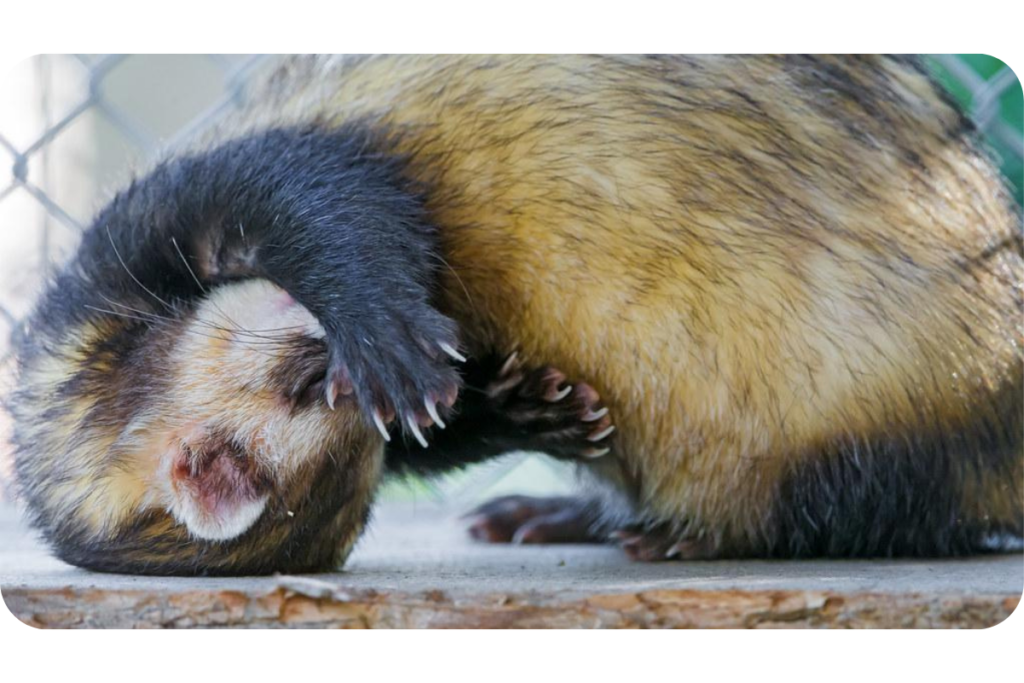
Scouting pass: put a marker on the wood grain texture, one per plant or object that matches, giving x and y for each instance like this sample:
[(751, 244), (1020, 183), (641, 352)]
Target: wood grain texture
[(299, 607), (418, 569)]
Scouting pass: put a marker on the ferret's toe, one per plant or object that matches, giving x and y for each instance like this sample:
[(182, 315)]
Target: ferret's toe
[(338, 382), (477, 533), (550, 412), (488, 531), (661, 543), (551, 381), (625, 536), (644, 547), (563, 526), (451, 394), (500, 389)]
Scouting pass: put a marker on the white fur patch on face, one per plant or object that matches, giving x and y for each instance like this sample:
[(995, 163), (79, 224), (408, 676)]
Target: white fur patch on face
[(228, 432), (211, 490), (221, 524), (257, 307)]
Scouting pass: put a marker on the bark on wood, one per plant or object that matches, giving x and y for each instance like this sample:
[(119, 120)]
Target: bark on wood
[(306, 603)]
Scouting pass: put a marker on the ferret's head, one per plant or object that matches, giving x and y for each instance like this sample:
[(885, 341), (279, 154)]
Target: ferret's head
[(189, 437)]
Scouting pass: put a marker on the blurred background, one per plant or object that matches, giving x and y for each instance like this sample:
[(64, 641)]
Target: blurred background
[(73, 128)]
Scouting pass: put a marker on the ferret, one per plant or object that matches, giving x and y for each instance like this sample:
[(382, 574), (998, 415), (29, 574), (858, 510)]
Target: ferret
[(770, 307)]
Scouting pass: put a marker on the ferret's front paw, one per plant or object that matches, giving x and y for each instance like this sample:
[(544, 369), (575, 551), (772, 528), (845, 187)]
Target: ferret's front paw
[(659, 543), (549, 413), (397, 365), (526, 519)]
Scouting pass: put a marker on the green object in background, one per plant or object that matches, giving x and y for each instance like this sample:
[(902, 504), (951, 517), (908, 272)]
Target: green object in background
[(990, 93)]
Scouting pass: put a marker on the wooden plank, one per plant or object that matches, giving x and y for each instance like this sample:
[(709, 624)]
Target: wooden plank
[(416, 569)]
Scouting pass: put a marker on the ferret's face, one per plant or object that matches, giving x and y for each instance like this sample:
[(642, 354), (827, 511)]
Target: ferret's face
[(196, 444), (239, 418)]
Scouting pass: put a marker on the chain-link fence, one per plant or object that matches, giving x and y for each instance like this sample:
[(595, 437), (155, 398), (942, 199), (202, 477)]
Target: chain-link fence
[(991, 93), (73, 127), (78, 115)]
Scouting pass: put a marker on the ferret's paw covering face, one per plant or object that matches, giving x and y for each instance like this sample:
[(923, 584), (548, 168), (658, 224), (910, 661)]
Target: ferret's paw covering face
[(238, 426), (199, 446)]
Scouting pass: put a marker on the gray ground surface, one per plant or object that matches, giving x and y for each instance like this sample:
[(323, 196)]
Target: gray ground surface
[(416, 549)]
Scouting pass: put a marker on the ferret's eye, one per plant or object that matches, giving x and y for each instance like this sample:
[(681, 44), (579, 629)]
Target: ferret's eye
[(307, 389), (300, 375)]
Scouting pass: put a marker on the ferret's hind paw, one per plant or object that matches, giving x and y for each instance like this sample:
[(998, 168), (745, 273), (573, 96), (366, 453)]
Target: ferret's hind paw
[(557, 416), (659, 543), (526, 519)]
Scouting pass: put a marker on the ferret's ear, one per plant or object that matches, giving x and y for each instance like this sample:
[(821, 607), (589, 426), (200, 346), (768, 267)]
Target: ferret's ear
[(217, 256), (216, 491)]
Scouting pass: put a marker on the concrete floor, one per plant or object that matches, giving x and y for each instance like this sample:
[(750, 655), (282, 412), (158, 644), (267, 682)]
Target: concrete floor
[(416, 567)]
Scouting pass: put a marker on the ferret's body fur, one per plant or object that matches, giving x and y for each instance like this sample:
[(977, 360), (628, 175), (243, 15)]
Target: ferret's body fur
[(795, 282), (771, 270)]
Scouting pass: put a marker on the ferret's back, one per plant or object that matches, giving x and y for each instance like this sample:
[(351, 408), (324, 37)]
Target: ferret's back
[(752, 258)]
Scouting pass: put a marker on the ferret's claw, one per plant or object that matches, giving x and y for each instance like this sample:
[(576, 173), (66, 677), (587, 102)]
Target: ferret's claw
[(559, 395), (432, 411), (450, 350), (510, 362), (554, 413), (661, 542), (415, 429), (379, 421)]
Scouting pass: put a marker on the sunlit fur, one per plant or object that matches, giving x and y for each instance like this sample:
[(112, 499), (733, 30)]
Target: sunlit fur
[(795, 282), (760, 263)]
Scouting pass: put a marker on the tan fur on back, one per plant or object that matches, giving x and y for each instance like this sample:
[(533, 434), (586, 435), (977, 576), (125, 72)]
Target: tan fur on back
[(730, 325), (794, 281)]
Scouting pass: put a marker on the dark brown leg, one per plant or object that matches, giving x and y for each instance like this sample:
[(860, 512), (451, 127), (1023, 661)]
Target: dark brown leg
[(526, 519)]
